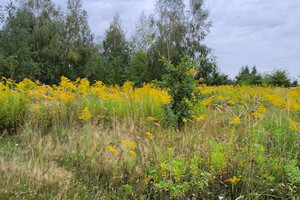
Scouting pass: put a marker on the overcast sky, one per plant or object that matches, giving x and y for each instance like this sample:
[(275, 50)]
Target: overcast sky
[(244, 32)]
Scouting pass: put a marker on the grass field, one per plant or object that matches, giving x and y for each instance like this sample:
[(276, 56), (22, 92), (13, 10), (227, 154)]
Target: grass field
[(83, 141)]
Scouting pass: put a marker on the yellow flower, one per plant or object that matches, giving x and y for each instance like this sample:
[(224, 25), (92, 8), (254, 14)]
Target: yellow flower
[(261, 149), (202, 117), (151, 118), (236, 120), (201, 79), (184, 120), (85, 114), (129, 144), (150, 136), (132, 152), (162, 166), (234, 180), (241, 148), (293, 125), (192, 72), (207, 101), (112, 149)]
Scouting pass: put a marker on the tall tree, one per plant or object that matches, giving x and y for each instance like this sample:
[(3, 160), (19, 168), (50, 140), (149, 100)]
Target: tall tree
[(40, 41), (116, 51), (176, 30), (16, 44)]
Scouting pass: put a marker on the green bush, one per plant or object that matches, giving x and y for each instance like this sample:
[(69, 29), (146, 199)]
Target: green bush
[(182, 88)]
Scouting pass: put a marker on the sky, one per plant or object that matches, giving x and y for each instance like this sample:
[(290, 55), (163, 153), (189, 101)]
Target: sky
[(244, 32)]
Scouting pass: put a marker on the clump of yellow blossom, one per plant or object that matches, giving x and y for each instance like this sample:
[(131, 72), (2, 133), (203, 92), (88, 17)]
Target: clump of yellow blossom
[(293, 125), (236, 120), (192, 72), (132, 152), (201, 117), (259, 113), (129, 144), (85, 114), (184, 120), (234, 180), (201, 80), (240, 148), (262, 149), (112, 149), (150, 136), (207, 101), (151, 118)]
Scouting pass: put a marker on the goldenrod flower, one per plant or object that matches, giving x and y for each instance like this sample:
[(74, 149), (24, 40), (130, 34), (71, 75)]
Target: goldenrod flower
[(234, 180), (201, 80), (151, 118), (202, 117), (132, 152), (85, 114), (236, 120), (112, 149), (293, 125), (240, 148), (262, 149), (192, 72), (207, 101), (129, 144), (150, 136), (100, 116)]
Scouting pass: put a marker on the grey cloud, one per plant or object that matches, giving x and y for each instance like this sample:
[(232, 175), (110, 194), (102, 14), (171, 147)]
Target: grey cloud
[(253, 32)]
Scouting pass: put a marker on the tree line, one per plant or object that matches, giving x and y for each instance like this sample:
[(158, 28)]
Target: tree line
[(42, 41)]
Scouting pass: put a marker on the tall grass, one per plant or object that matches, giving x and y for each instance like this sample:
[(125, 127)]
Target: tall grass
[(242, 144)]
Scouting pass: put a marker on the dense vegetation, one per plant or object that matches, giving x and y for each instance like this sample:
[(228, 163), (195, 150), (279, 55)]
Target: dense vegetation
[(82, 141), (147, 118)]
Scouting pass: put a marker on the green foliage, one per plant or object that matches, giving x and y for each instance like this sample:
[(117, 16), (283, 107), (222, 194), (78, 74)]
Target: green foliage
[(279, 78), (116, 52), (138, 68), (245, 77), (40, 42), (182, 88), (175, 30)]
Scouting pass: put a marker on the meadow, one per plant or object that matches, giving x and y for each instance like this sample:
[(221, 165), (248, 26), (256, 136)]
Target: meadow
[(78, 140)]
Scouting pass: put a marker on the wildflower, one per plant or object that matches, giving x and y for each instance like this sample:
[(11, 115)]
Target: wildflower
[(234, 180), (129, 144), (184, 120), (85, 114), (293, 125), (240, 148), (150, 136), (221, 98), (112, 149), (162, 166), (232, 102), (261, 149), (202, 117), (192, 72), (207, 101), (151, 118), (236, 120), (201, 80), (100, 116), (132, 152)]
